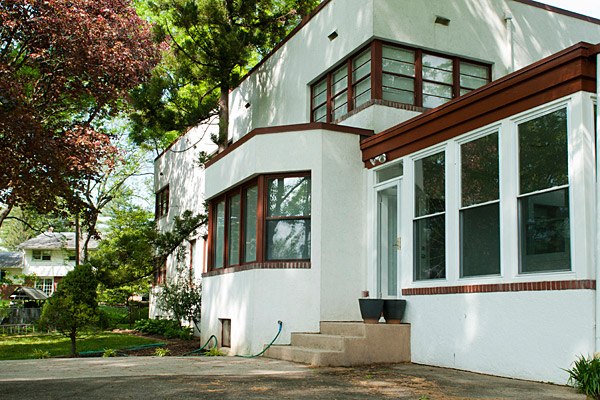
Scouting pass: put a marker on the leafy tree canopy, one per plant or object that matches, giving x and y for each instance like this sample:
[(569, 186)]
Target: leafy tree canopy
[(64, 65), (212, 44)]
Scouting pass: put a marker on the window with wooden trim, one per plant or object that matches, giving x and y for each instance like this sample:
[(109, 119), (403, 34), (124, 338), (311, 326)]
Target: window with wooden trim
[(394, 73), (160, 276), (42, 255), (45, 285), (267, 219), (162, 202)]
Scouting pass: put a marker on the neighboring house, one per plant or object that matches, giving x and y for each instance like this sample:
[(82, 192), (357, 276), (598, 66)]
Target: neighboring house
[(50, 256), (11, 263), (443, 152)]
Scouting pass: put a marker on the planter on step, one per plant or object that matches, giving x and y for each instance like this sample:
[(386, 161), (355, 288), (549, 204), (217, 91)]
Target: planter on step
[(393, 310), (370, 310)]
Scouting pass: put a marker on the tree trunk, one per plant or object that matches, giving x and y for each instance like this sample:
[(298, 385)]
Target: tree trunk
[(223, 140), (130, 315), (4, 212), (73, 336)]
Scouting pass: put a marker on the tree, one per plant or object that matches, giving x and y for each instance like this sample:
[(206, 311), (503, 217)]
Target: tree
[(23, 224), (73, 306), (213, 43), (182, 299), (64, 65)]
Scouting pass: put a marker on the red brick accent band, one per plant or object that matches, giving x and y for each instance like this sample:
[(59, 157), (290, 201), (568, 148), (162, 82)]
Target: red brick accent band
[(503, 287), (259, 265)]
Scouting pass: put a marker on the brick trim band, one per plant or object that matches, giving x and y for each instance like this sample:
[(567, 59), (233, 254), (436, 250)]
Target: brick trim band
[(259, 265), (504, 287)]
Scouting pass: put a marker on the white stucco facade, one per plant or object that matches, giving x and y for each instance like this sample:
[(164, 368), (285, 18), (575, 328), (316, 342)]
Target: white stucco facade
[(500, 323)]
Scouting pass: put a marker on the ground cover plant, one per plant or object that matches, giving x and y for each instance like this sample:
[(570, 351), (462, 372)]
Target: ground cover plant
[(585, 376), (22, 347), (165, 327)]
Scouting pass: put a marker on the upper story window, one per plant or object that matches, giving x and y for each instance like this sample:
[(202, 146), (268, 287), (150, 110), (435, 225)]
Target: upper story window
[(162, 202), (43, 255), (267, 219), (394, 73)]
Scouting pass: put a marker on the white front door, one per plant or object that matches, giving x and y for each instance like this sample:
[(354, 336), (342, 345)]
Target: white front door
[(389, 243)]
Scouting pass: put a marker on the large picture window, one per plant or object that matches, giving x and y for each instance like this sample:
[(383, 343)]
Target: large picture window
[(395, 73), (429, 225), (480, 207), (544, 224), (267, 219)]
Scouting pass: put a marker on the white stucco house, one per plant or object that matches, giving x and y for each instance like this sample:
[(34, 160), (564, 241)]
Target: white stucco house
[(49, 256), (438, 152)]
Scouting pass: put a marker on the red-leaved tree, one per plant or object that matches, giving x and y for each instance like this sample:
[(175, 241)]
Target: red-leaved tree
[(64, 64)]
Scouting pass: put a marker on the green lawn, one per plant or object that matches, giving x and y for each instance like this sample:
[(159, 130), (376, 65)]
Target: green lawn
[(21, 347)]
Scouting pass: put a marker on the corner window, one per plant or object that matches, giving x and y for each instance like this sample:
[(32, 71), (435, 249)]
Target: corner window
[(265, 220), (480, 207), (394, 73), (162, 202), (544, 224), (42, 255), (429, 225)]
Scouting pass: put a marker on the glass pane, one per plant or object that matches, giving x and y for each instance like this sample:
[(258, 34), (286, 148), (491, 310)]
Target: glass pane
[(233, 239), (398, 82), (288, 239), (435, 89), (401, 96), (320, 114), (430, 185), (437, 62), (219, 234), (480, 240), (437, 75), (398, 54), (472, 83), (464, 91), (340, 79), (361, 59), (545, 232), (430, 252), (340, 111), (362, 92), (289, 197), (361, 72), (387, 242), (437, 69), (362, 99), (339, 105), (391, 172), (319, 92), (480, 179), (543, 156), (398, 67), (250, 220), (433, 101), (479, 71)]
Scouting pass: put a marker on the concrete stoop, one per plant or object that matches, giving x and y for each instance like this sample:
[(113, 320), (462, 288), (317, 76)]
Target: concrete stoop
[(347, 344)]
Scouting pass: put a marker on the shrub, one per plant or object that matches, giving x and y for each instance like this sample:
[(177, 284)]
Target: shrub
[(585, 376), (164, 327), (213, 352), (38, 353)]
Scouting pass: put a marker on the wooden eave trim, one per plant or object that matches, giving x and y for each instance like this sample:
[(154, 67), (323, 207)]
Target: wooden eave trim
[(290, 128), (556, 76), (557, 10)]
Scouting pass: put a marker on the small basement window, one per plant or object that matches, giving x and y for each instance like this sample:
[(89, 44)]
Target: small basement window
[(225, 332)]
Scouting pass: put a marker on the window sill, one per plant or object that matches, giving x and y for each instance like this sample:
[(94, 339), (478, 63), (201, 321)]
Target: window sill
[(259, 265)]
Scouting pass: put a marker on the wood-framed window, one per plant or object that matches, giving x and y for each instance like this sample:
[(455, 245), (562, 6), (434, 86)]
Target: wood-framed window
[(395, 73), (42, 255), (160, 276), (162, 202), (266, 219), (45, 285)]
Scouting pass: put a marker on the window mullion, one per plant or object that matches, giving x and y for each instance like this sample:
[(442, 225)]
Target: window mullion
[(419, 78), (376, 70), (455, 77), (329, 97)]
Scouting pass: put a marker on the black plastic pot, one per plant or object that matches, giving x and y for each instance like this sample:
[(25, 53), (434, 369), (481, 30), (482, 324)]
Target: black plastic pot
[(393, 311), (370, 310)]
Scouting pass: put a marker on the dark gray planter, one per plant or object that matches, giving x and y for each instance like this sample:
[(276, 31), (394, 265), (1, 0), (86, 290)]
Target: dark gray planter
[(370, 310), (393, 310)]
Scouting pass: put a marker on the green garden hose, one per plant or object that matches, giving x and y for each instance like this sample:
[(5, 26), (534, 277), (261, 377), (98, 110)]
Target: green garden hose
[(202, 348), (140, 347), (266, 348)]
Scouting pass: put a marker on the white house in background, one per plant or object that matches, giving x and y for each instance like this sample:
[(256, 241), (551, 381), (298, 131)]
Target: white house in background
[(442, 152), (50, 256)]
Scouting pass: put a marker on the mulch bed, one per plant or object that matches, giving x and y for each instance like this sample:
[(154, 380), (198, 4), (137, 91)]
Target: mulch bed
[(177, 347)]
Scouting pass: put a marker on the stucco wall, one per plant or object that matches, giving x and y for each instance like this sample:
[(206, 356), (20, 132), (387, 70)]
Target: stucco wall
[(59, 265), (256, 299), (279, 91)]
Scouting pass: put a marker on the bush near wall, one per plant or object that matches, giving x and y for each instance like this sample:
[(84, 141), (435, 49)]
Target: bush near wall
[(165, 327)]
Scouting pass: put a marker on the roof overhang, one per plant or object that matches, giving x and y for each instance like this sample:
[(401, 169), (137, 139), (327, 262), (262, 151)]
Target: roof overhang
[(561, 74)]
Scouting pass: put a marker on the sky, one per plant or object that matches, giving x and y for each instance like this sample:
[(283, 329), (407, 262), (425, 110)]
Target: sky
[(586, 7)]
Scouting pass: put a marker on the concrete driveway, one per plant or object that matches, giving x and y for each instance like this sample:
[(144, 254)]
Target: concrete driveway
[(257, 378)]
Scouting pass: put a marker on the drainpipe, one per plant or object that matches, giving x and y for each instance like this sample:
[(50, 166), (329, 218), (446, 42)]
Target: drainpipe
[(597, 200)]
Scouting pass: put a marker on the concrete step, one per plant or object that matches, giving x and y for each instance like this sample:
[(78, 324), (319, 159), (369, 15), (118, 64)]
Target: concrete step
[(318, 341), (343, 328), (303, 355)]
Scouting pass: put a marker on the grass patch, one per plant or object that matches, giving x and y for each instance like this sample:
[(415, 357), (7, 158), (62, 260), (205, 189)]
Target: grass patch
[(22, 347)]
